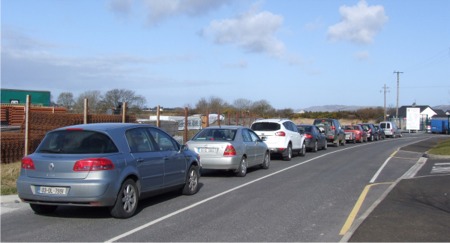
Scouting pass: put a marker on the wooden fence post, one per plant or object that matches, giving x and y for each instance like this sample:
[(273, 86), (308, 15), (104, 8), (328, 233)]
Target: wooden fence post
[(124, 112), (27, 123), (157, 116), (185, 132), (85, 111)]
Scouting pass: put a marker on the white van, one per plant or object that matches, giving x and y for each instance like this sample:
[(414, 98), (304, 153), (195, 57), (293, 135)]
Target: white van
[(390, 129)]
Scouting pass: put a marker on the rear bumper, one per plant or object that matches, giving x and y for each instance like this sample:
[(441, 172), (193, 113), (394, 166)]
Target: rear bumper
[(82, 193), (222, 163)]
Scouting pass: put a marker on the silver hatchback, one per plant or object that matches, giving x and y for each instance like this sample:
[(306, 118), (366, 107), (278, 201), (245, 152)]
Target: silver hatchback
[(105, 164)]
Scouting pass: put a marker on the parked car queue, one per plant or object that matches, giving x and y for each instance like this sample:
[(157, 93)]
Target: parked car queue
[(115, 165)]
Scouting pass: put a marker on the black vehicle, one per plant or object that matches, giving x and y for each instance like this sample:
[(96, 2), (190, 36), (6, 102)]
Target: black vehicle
[(381, 134), (333, 130), (372, 132), (314, 138)]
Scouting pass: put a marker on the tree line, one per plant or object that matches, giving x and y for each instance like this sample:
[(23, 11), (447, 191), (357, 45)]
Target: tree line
[(101, 103)]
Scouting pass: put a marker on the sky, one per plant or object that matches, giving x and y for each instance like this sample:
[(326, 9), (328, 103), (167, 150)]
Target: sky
[(292, 53)]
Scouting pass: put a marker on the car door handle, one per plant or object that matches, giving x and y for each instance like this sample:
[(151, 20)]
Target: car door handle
[(139, 160)]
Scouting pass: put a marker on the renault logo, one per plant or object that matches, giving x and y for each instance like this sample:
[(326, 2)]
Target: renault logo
[(51, 166)]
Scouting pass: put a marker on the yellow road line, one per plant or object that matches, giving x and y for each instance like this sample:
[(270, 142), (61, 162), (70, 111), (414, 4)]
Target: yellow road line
[(351, 217)]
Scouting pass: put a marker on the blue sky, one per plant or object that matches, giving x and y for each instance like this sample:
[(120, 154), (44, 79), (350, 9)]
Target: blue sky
[(292, 53)]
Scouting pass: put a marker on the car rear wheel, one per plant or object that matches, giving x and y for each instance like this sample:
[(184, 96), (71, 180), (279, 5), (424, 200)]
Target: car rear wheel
[(191, 186), (242, 170), (266, 161), (43, 209), (127, 200), (288, 153)]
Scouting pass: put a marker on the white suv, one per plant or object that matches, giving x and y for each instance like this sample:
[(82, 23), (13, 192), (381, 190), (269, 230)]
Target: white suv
[(281, 136)]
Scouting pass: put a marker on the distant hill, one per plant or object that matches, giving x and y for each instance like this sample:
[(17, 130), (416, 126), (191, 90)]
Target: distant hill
[(333, 108), (442, 107)]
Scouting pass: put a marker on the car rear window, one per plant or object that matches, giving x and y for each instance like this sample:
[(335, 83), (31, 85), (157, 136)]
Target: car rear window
[(77, 142), (384, 125), (215, 135), (323, 122), (265, 126), (303, 129)]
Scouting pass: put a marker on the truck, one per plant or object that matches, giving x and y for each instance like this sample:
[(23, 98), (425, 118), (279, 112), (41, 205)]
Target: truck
[(439, 125)]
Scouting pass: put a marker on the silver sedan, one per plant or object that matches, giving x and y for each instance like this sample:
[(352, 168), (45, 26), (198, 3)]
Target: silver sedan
[(233, 148)]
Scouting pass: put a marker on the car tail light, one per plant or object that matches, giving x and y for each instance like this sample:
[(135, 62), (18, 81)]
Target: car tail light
[(333, 128), (229, 151), (281, 134), (93, 164), (308, 136), (28, 164)]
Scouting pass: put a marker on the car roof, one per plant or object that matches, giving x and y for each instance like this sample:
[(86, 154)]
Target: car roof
[(104, 126), (277, 120), (224, 126)]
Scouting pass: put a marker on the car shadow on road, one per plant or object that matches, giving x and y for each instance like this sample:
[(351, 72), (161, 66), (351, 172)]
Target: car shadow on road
[(103, 212)]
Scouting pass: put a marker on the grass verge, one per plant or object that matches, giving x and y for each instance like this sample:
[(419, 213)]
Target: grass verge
[(9, 173), (442, 148)]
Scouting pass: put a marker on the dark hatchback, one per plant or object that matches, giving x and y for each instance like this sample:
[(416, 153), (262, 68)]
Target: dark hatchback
[(372, 132), (314, 138)]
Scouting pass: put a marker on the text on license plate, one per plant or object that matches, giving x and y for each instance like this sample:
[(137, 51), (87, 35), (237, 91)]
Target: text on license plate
[(53, 190), (207, 150)]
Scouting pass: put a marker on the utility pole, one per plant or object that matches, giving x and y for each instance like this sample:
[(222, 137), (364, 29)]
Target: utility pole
[(398, 91), (385, 90)]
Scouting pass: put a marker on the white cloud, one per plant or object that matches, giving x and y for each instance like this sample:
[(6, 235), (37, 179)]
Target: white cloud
[(120, 7), (359, 23), (252, 31), (158, 10)]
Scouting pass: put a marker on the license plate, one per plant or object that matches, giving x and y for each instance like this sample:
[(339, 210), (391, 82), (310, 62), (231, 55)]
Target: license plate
[(53, 190), (207, 150)]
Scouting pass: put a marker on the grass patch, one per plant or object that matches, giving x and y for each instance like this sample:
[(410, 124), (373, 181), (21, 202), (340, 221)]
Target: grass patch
[(442, 148), (10, 173)]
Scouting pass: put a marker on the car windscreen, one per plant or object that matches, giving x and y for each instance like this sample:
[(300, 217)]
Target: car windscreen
[(76, 142), (265, 126), (218, 134)]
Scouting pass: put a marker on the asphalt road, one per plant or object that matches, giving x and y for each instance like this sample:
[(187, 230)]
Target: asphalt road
[(323, 196)]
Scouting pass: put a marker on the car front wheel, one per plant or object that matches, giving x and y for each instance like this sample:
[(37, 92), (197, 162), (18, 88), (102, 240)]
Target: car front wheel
[(191, 186), (127, 200)]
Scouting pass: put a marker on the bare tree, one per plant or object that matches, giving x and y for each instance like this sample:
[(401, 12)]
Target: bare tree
[(242, 104), (94, 100), (263, 108), (66, 99), (113, 97)]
